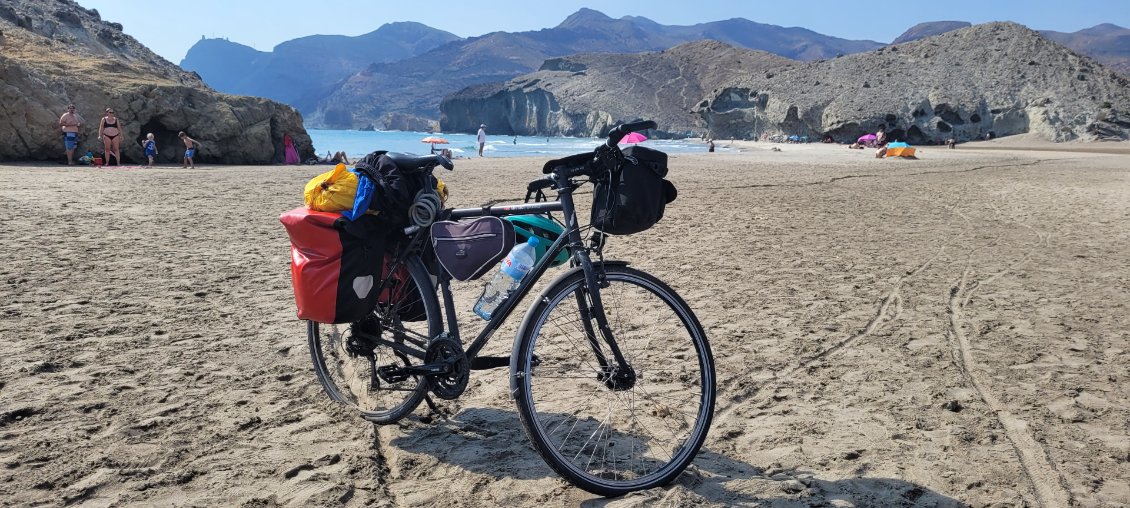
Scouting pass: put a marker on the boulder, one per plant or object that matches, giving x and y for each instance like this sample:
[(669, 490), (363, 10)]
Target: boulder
[(58, 53)]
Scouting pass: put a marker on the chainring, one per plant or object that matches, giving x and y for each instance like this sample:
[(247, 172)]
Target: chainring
[(451, 385)]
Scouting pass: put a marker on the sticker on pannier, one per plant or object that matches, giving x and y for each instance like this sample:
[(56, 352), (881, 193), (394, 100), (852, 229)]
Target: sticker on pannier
[(335, 264), (470, 248)]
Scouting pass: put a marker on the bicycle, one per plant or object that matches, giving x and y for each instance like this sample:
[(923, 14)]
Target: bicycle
[(610, 369)]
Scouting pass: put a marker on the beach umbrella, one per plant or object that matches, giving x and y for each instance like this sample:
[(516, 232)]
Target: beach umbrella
[(434, 140), (867, 137), (634, 137)]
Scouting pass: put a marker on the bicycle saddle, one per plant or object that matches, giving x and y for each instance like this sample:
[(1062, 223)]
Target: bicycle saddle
[(412, 162)]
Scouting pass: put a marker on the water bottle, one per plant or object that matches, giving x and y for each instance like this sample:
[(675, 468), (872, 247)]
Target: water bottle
[(509, 275)]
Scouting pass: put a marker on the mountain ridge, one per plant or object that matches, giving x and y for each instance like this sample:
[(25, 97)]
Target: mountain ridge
[(993, 79)]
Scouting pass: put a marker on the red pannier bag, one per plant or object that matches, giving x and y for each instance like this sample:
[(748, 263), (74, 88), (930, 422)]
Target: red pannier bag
[(335, 264)]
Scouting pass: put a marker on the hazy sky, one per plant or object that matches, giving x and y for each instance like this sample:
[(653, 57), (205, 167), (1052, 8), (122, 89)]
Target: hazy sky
[(171, 28)]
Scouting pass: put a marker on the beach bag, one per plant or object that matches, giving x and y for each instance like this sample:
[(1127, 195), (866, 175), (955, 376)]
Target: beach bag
[(470, 248), (394, 189), (335, 264), (633, 198)]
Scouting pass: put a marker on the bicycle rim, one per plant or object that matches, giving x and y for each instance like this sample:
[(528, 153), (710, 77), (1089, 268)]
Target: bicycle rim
[(348, 378), (608, 441)]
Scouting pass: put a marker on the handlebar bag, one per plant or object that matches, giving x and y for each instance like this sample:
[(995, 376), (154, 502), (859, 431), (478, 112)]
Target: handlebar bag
[(335, 264), (633, 198), (468, 249)]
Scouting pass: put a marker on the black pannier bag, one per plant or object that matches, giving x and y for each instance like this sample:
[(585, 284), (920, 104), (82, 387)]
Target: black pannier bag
[(395, 188), (634, 197), (399, 292), (470, 248)]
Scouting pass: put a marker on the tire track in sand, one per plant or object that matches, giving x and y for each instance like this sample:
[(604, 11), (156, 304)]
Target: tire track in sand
[(1048, 484), (889, 309)]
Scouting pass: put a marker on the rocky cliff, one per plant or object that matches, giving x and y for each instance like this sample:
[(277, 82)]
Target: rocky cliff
[(585, 95), (998, 79), (56, 53)]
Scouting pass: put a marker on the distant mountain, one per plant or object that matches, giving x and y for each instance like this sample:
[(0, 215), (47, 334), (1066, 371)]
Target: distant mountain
[(994, 79), (302, 71), (416, 85), (930, 29), (1107, 43)]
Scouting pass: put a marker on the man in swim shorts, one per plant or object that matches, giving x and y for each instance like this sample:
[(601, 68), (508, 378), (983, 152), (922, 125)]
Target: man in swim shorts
[(70, 123)]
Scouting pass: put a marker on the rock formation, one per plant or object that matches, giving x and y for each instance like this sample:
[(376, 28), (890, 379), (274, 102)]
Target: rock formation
[(585, 95), (993, 79), (56, 53)]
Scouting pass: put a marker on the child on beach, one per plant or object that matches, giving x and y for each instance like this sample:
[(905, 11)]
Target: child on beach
[(150, 148), (190, 146)]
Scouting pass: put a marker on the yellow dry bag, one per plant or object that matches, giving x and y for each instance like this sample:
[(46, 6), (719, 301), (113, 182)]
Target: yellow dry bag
[(332, 191)]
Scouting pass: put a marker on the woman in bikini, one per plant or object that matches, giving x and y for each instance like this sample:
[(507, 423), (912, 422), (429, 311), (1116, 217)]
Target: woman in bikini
[(110, 132)]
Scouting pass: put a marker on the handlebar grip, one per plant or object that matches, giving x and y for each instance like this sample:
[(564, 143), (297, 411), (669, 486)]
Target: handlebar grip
[(615, 135), (446, 163)]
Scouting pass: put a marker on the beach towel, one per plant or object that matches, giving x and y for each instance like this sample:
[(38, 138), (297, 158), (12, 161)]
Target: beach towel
[(291, 153)]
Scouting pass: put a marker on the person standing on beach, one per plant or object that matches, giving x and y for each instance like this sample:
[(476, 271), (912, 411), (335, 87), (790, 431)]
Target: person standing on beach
[(110, 132), (70, 123), (482, 138), (150, 148), (189, 150)]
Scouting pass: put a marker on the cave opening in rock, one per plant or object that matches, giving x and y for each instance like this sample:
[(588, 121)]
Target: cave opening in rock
[(944, 127), (915, 136), (169, 146)]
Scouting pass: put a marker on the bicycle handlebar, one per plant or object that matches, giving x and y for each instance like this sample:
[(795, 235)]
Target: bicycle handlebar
[(579, 164), (615, 135)]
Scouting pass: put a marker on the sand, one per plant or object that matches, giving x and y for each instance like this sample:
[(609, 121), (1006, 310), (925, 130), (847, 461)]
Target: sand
[(936, 332)]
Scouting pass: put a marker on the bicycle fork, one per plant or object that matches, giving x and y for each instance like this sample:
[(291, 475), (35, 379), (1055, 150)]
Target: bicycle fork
[(617, 376)]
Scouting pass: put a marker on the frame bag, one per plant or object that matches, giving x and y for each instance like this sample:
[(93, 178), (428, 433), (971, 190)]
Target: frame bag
[(633, 198), (468, 249)]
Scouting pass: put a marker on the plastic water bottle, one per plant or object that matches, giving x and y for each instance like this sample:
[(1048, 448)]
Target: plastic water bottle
[(516, 265)]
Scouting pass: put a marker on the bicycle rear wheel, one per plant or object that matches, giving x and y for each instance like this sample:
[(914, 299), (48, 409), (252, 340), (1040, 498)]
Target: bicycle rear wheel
[(614, 437), (357, 363)]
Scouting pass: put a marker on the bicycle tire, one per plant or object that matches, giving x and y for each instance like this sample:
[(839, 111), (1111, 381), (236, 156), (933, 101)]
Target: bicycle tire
[(346, 377), (554, 377)]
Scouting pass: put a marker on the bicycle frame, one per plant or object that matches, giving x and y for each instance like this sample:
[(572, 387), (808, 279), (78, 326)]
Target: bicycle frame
[(570, 239)]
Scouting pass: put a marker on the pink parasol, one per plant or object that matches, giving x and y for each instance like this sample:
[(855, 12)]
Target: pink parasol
[(867, 137), (634, 137)]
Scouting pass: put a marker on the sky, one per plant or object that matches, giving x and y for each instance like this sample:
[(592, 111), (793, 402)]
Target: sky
[(171, 28)]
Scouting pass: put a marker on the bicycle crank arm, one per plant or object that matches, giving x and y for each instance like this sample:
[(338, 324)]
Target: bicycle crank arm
[(428, 369)]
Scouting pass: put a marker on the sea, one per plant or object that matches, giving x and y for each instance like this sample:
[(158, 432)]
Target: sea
[(357, 144)]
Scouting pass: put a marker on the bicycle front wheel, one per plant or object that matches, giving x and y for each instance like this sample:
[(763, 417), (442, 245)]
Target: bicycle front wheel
[(611, 437), (360, 364)]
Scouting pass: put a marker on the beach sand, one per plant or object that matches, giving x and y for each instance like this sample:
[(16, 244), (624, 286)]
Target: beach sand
[(935, 332)]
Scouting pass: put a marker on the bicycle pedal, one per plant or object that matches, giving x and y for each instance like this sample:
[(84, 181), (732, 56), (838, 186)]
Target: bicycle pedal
[(392, 374)]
